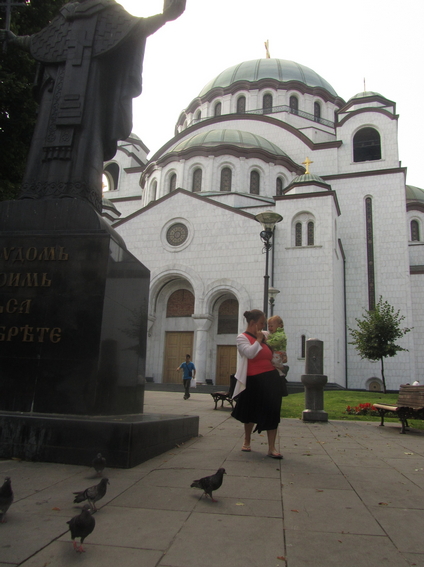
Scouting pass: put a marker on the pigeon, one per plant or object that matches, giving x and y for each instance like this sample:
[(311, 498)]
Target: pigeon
[(92, 494), (99, 464), (209, 483), (6, 498), (81, 526)]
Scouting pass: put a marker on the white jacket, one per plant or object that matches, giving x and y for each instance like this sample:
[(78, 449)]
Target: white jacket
[(246, 351)]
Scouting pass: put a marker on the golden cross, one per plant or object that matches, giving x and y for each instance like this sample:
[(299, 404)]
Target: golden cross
[(307, 162), (268, 56)]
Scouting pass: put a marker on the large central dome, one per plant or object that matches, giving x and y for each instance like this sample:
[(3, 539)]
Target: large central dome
[(278, 69)]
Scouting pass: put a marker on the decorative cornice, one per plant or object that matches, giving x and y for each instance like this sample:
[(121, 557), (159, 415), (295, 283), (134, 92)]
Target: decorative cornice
[(365, 173), (328, 193), (415, 206), (122, 199), (414, 270), (189, 194), (361, 100), (245, 117), (362, 111)]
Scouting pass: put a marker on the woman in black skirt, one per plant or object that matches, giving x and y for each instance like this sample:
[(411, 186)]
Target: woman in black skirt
[(258, 392)]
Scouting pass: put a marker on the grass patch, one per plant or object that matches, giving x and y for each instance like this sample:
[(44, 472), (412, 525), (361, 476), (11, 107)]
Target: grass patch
[(336, 402)]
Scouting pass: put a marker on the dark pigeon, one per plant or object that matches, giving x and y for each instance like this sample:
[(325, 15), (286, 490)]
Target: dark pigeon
[(6, 498), (210, 483), (81, 526), (99, 464), (92, 494)]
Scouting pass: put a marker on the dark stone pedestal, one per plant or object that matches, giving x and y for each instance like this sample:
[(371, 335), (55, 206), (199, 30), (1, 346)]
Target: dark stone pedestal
[(125, 441), (73, 312), (73, 329)]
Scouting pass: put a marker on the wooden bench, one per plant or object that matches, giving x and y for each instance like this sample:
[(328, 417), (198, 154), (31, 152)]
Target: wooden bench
[(409, 405), (225, 396)]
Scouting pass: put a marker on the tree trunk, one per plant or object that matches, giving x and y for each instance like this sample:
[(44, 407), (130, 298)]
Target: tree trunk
[(382, 375)]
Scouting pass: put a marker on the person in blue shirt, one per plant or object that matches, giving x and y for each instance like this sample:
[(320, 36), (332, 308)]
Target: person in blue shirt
[(189, 372)]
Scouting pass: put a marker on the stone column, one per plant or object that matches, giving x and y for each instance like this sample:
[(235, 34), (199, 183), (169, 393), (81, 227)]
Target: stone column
[(314, 381), (202, 323)]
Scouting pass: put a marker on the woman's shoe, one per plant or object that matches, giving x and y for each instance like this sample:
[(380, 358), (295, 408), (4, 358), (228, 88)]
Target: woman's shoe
[(246, 449), (275, 456)]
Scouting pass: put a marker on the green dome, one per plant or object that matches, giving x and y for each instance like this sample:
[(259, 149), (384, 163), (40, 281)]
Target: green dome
[(308, 178), (278, 69), (231, 137), (366, 94), (414, 193)]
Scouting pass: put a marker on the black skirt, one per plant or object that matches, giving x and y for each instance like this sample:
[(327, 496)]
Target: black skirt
[(260, 402)]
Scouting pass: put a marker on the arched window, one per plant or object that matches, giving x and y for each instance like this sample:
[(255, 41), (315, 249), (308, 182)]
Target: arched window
[(197, 180), (254, 182), (228, 317), (198, 116), (298, 234), (294, 105), (317, 112), (366, 145), (173, 182), (180, 304), (218, 109), (226, 178), (279, 186), (415, 231), (267, 103), (241, 105), (310, 233), (153, 191), (111, 177)]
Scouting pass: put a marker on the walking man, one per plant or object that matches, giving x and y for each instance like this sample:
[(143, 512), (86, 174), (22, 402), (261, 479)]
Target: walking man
[(189, 372)]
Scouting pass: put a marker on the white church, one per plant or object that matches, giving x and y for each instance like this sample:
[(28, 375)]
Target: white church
[(273, 135)]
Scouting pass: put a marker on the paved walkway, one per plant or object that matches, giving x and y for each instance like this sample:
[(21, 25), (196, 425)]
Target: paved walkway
[(347, 494)]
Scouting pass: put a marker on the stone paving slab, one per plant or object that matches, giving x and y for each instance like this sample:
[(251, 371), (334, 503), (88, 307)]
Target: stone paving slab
[(346, 493)]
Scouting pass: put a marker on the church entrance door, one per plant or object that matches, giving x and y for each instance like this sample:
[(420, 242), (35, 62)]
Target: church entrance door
[(226, 364), (177, 345)]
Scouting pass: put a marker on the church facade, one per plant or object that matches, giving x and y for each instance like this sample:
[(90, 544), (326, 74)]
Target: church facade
[(272, 135)]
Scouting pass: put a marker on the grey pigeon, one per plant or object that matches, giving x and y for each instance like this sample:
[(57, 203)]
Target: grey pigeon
[(93, 493), (81, 526), (6, 498), (99, 464), (209, 483)]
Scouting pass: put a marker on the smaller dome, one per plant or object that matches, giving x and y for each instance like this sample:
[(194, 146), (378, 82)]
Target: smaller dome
[(229, 137), (308, 178), (366, 94), (414, 193)]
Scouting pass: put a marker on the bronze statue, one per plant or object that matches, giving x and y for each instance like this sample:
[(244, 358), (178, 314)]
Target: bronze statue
[(91, 58)]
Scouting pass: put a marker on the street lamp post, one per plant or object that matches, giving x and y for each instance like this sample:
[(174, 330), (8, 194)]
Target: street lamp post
[(268, 220), (272, 293)]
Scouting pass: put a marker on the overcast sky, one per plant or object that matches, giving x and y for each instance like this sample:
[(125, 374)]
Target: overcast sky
[(344, 42)]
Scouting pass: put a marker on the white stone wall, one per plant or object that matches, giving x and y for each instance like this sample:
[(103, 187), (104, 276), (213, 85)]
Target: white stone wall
[(417, 286), (391, 264)]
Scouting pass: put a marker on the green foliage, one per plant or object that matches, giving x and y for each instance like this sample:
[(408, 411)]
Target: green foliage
[(377, 333), (18, 108)]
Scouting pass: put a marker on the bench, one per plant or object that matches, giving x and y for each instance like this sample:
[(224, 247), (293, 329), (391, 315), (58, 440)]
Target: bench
[(409, 405), (225, 396)]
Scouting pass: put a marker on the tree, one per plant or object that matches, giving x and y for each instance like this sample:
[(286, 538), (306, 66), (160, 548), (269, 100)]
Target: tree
[(18, 108), (377, 333)]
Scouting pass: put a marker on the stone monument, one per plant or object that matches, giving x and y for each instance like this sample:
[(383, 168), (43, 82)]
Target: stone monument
[(73, 299), (314, 381)]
